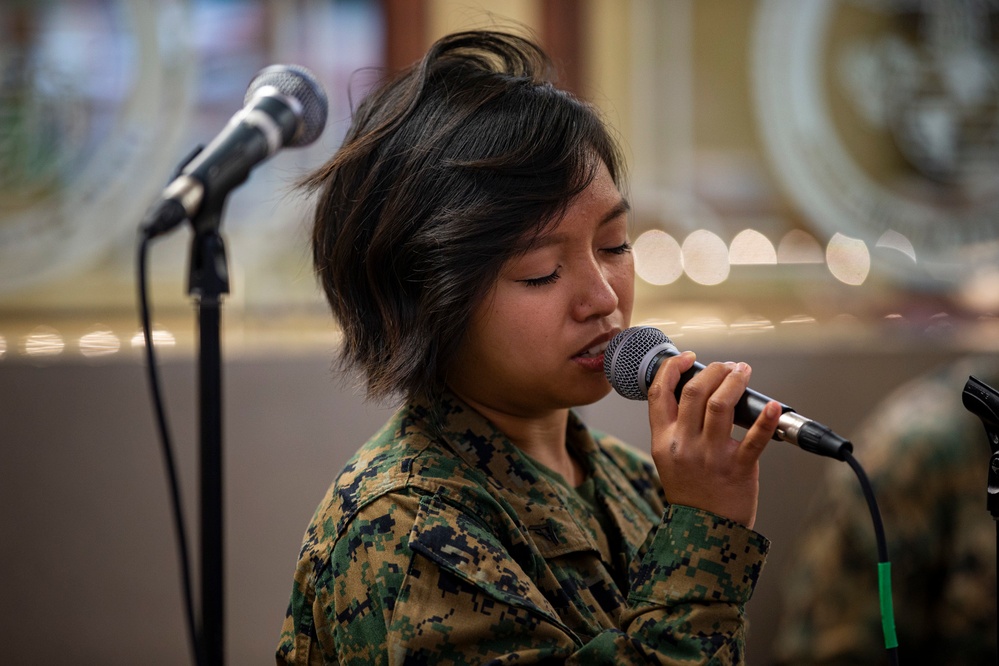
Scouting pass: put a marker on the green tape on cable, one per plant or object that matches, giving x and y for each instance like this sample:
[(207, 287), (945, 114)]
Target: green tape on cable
[(887, 610)]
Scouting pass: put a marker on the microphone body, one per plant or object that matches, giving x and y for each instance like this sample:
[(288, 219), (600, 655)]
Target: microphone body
[(633, 357), (284, 106)]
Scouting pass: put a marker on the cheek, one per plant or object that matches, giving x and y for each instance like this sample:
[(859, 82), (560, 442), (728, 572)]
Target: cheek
[(531, 320), (526, 333), (506, 324)]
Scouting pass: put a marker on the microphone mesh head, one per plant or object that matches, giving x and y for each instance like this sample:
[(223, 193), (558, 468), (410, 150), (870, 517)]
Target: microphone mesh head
[(300, 84), (624, 356)]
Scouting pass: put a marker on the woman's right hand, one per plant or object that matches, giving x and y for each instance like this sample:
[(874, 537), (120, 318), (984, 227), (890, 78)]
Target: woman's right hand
[(699, 462)]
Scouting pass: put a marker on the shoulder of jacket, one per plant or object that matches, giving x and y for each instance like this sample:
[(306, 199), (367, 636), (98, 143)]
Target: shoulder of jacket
[(406, 462)]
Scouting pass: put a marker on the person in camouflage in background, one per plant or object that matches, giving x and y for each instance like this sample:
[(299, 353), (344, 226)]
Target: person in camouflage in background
[(927, 458), (471, 239)]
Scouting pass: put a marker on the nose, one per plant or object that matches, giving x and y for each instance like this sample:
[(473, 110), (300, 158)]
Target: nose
[(596, 295)]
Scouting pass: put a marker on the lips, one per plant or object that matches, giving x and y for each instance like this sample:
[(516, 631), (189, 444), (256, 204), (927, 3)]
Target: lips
[(591, 358), (594, 351), (596, 347)]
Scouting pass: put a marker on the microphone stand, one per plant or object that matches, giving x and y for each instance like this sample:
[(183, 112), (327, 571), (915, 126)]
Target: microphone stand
[(992, 503), (983, 401), (208, 281)]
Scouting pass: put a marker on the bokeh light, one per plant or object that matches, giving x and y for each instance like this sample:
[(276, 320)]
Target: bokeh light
[(848, 259), (43, 342), (751, 324), (896, 241), (658, 258), (99, 342), (798, 320), (705, 325), (751, 247), (161, 338), (799, 247), (705, 258)]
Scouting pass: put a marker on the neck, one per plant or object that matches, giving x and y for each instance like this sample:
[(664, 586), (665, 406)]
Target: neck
[(542, 437)]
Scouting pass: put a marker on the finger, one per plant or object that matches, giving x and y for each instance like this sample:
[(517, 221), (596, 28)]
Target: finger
[(698, 391), (662, 401), (759, 434), (719, 410)]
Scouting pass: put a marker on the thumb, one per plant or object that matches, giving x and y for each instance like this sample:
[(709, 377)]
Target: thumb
[(759, 434)]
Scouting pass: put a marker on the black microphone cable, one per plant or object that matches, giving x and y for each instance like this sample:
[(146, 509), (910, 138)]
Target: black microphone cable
[(166, 448), (884, 564)]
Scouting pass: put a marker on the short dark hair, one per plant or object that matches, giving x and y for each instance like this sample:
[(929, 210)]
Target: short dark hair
[(447, 170)]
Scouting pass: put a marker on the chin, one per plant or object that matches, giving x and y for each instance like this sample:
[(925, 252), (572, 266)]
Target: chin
[(587, 394)]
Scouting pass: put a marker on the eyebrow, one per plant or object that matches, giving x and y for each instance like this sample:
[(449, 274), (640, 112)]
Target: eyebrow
[(620, 209), (545, 240)]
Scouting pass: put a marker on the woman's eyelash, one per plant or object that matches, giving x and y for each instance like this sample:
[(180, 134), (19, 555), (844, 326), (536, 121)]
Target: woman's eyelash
[(542, 281), (549, 279)]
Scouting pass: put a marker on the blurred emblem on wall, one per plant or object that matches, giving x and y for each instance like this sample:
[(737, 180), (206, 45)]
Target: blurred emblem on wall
[(881, 118)]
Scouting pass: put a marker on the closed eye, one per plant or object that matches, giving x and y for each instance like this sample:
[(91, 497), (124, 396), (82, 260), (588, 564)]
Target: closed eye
[(542, 281), (620, 249)]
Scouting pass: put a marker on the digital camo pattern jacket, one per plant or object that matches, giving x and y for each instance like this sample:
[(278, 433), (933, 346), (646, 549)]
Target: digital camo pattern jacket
[(440, 543)]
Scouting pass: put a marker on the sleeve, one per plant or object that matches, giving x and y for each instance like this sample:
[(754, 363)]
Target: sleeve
[(417, 578)]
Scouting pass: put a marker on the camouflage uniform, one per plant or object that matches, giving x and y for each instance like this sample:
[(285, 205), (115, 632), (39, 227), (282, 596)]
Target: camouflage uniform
[(441, 543), (927, 458)]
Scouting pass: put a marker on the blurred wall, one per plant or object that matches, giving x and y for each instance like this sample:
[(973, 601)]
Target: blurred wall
[(90, 562)]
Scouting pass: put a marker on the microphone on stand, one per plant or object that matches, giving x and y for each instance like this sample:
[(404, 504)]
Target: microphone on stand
[(633, 357), (284, 106)]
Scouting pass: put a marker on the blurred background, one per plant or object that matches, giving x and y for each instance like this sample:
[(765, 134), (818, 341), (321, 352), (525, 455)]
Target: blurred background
[(815, 186)]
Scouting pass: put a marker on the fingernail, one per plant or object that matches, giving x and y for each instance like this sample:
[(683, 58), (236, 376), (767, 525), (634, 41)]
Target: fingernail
[(741, 367)]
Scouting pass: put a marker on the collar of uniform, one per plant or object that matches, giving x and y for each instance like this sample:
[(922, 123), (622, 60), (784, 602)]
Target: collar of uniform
[(631, 513), (546, 508)]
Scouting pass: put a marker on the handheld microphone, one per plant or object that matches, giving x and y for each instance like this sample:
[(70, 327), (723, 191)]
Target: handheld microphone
[(633, 357), (284, 106)]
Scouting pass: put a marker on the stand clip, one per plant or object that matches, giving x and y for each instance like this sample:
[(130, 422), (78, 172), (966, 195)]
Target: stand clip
[(983, 401)]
